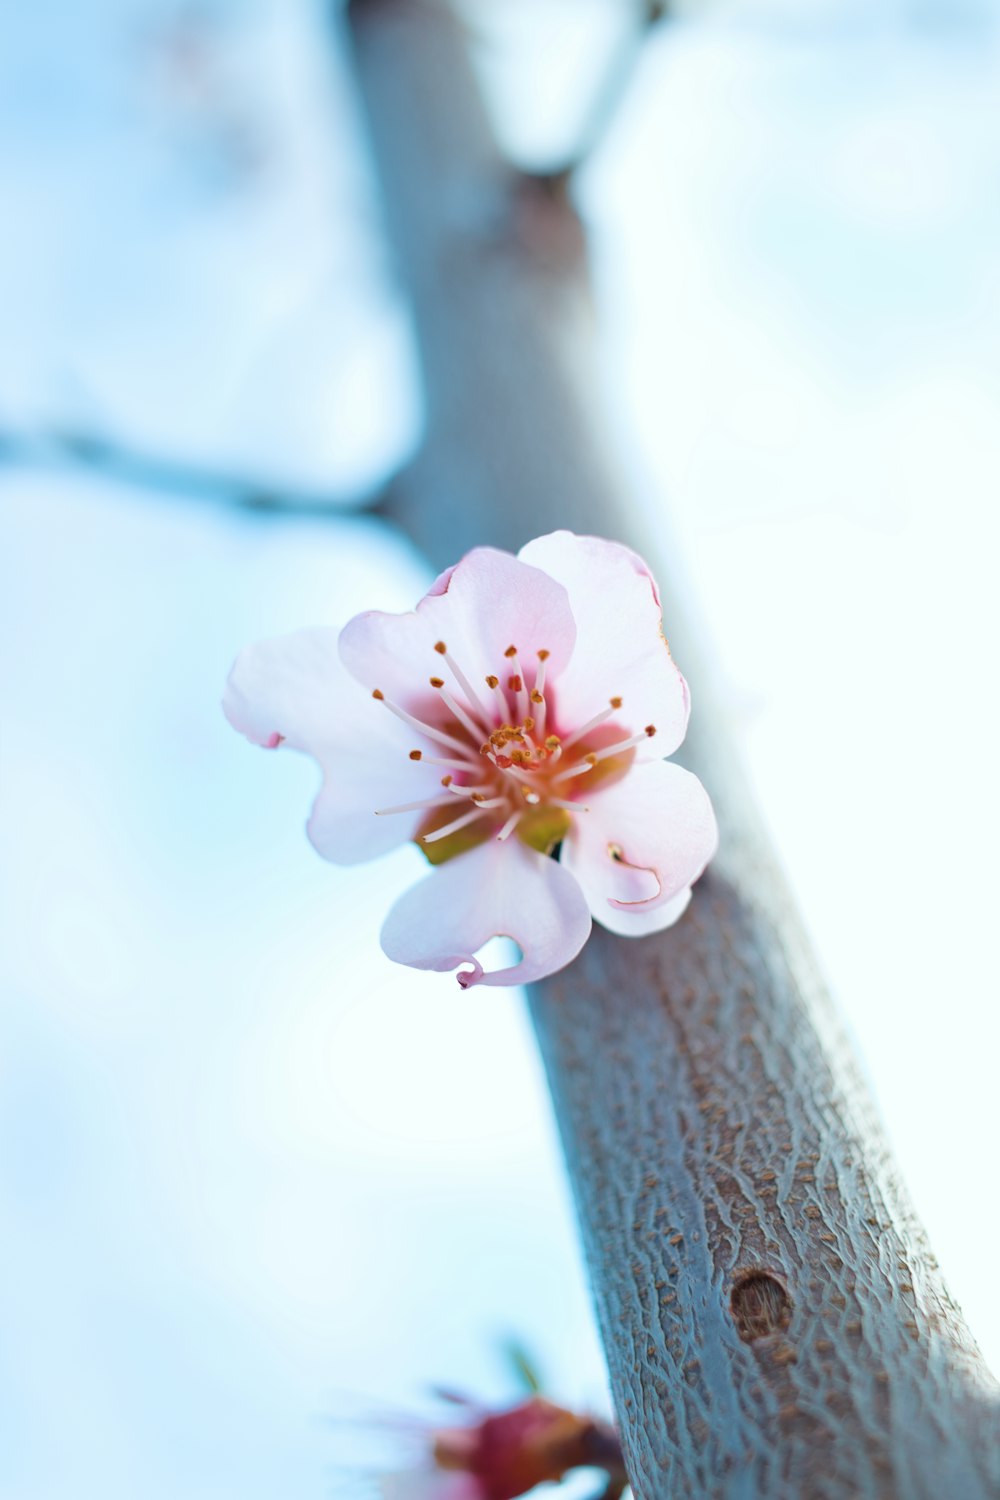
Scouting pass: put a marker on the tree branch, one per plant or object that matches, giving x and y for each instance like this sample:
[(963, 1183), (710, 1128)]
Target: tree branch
[(775, 1325)]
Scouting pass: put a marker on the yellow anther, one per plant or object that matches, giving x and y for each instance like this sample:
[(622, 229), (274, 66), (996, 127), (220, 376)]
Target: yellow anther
[(440, 648), (511, 651), (492, 682), (616, 703), (378, 693), (437, 682)]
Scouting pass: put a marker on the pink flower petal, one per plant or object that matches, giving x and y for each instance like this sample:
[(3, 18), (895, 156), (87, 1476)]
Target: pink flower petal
[(393, 654), (290, 690), (345, 825), (295, 691), (492, 600), (620, 648), (640, 847), (643, 922), (497, 889), (486, 603)]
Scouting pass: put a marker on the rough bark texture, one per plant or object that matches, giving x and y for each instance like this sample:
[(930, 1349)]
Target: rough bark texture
[(774, 1323)]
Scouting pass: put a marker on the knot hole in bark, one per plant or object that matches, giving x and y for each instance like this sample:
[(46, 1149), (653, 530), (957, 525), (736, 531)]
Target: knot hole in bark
[(759, 1305)]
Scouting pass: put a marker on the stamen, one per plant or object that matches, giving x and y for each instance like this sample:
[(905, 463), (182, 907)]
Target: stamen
[(418, 724), (456, 708), (516, 681), (428, 802), (600, 718), (569, 806), (623, 745), (589, 761), (471, 696), (538, 693), (587, 764), (469, 764), (526, 773), (498, 694), (453, 827), (510, 825)]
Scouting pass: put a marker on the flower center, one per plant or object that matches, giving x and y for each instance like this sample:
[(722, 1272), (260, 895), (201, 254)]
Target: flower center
[(509, 765)]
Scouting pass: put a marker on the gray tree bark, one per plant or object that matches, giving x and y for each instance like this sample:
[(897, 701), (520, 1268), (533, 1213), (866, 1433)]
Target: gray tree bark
[(774, 1322)]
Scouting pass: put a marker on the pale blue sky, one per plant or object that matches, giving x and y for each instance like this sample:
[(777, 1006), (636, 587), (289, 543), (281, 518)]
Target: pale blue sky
[(247, 1166)]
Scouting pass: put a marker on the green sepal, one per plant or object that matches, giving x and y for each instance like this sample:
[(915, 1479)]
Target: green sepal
[(460, 842), (542, 828)]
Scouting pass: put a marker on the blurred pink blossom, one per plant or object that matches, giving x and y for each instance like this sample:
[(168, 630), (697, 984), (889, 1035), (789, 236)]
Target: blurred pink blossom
[(503, 1455), (521, 711)]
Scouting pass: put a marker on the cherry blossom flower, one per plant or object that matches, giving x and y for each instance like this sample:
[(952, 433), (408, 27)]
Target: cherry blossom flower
[(513, 726), (502, 1455)]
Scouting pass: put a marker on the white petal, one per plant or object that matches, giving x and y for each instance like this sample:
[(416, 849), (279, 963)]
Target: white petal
[(290, 690), (394, 654), (641, 846), (346, 825), (495, 890), (295, 691), (484, 604), (643, 922), (620, 647), (492, 600)]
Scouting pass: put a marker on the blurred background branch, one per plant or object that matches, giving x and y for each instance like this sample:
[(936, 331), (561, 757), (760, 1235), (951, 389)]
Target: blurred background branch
[(164, 474)]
